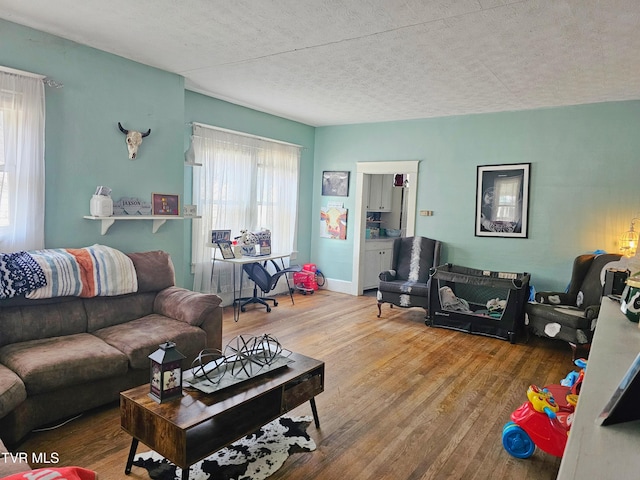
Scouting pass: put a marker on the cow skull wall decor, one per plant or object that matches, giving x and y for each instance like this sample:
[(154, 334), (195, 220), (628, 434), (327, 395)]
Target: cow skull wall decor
[(134, 139)]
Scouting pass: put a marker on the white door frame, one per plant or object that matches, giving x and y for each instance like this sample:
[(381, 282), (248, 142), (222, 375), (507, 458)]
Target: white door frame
[(409, 168)]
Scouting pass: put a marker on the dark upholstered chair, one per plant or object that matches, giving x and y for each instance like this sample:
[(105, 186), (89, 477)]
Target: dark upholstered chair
[(407, 283), (571, 316), (266, 281)]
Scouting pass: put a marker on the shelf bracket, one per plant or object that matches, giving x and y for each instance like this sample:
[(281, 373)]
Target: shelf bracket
[(157, 223), (105, 224)]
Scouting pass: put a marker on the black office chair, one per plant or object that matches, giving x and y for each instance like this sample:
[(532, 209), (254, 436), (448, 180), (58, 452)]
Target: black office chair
[(266, 281)]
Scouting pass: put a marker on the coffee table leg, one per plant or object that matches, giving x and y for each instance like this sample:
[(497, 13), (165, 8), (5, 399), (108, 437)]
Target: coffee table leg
[(185, 473), (132, 453), (315, 412)]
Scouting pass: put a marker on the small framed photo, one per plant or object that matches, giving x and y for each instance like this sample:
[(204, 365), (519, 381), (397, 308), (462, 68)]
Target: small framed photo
[(225, 249), (190, 211), (165, 204), (335, 184), (217, 235)]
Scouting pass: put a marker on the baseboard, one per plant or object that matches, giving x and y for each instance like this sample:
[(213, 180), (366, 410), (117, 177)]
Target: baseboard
[(340, 286)]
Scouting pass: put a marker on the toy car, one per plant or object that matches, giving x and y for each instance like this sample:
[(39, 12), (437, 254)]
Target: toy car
[(540, 421)]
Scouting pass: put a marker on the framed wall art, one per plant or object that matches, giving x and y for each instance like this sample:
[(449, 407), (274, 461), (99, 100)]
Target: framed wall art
[(335, 184), (502, 200), (165, 204)]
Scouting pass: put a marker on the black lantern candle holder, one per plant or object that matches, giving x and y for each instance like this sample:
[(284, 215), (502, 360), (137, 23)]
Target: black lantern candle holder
[(166, 373)]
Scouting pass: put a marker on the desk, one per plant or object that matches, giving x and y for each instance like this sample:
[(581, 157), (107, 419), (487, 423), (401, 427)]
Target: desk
[(611, 451), (243, 261)]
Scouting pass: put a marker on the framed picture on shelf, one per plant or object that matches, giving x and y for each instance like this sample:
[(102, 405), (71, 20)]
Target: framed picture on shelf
[(335, 184), (165, 204), (225, 249), (217, 235), (190, 211), (502, 200)]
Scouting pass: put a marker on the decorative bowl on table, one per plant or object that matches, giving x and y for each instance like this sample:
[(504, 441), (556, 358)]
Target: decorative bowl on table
[(393, 232)]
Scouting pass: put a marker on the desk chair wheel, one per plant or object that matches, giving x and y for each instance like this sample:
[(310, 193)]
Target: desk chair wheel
[(275, 303)]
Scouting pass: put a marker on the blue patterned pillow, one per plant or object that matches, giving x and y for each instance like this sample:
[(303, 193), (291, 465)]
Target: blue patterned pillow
[(19, 274)]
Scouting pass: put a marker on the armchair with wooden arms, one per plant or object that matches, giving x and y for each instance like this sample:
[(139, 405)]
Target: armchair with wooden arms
[(407, 283)]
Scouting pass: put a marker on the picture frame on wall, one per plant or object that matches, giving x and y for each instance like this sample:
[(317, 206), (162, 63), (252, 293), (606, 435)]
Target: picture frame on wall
[(335, 183), (165, 204), (502, 200)]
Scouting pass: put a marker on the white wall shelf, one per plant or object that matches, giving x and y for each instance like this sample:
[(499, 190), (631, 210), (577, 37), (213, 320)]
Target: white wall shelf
[(158, 220)]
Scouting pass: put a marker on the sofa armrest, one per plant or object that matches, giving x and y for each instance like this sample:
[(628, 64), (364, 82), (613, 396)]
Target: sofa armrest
[(387, 276), (556, 298), (186, 306)]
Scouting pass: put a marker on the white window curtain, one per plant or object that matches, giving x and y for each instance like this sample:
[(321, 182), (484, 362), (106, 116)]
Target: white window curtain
[(244, 183), (22, 120)]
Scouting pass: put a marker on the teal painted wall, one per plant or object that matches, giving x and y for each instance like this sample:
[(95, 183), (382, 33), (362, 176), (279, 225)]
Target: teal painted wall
[(584, 183), (84, 147)]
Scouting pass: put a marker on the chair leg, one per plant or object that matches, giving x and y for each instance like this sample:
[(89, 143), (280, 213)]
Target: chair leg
[(255, 299), (580, 350), (379, 309)]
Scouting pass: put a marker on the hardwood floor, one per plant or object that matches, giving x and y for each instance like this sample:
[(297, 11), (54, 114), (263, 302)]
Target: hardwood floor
[(401, 400)]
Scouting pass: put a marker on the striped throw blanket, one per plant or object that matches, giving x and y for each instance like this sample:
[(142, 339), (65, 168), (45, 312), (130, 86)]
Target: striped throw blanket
[(84, 272), (19, 274)]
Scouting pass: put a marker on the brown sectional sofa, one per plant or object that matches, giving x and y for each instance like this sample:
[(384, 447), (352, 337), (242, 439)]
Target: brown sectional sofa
[(62, 356)]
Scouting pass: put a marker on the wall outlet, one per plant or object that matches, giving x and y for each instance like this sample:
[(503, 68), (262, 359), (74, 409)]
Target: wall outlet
[(426, 213)]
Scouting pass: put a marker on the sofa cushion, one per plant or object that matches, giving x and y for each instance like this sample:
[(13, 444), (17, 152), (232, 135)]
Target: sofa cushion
[(105, 312), (12, 391), (140, 338), (51, 363), (41, 320), (154, 270)]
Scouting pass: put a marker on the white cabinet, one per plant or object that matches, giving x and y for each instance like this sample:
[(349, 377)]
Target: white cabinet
[(377, 258), (380, 193)]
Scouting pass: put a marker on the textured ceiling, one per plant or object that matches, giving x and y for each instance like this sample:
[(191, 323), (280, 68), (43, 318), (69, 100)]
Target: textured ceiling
[(356, 61)]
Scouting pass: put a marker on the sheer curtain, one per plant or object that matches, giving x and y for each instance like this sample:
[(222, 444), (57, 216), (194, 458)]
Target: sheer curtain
[(244, 183), (22, 119)]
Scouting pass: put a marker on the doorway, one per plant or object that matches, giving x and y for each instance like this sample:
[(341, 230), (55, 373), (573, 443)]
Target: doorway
[(408, 168)]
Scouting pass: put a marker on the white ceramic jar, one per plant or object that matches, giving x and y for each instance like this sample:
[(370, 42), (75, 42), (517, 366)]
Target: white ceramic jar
[(101, 206)]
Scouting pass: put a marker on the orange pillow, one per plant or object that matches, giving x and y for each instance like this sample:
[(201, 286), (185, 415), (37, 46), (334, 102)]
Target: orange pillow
[(60, 473)]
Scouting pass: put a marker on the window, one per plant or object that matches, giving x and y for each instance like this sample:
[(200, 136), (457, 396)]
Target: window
[(245, 182), (22, 116)]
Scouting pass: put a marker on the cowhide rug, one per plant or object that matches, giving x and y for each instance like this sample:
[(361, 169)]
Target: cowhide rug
[(254, 457)]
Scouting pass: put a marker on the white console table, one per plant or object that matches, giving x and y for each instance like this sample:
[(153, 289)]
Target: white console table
[(610, 451)]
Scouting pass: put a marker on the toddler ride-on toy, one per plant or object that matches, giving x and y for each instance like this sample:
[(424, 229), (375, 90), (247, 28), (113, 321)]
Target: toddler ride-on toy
[(308, 279), (542, 421)]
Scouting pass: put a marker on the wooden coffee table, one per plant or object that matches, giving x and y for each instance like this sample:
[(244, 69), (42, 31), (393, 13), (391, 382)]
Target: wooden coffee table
[(189, 428)]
